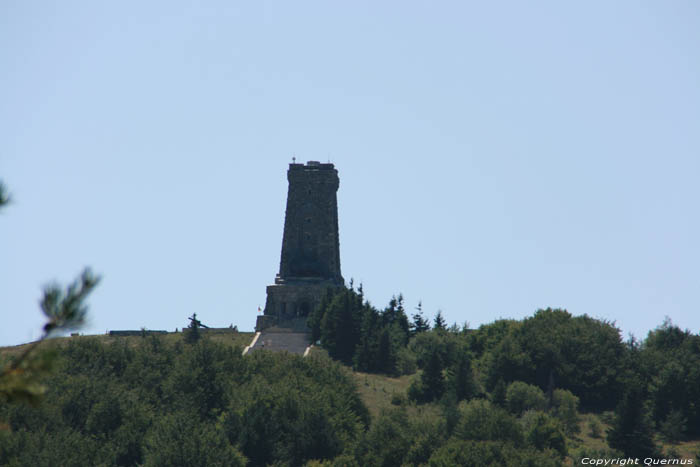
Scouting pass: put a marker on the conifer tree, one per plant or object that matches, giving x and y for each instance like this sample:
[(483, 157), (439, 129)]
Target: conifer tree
[(439, 323), (463, 378), (632, 431), (386, 356), (340, 325), (4, 196), (432, 379), (192, 334), (420, 323)]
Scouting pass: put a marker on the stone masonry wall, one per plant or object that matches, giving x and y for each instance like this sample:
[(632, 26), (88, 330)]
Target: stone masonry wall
[(310, 258)]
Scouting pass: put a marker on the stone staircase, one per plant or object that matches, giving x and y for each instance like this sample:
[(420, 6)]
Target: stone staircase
[(291, 336)]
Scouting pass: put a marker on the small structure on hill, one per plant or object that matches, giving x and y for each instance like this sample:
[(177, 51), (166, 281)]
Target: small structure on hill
[(195, 323), (310, 259)]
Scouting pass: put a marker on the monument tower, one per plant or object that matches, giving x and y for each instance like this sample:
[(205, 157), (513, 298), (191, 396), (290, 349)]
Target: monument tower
[(310, 259)]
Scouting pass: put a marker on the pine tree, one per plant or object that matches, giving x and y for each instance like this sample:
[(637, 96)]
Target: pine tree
[(20, 380), (439, 323), (4, 196), (365, 358), (420, 323), (632, 431), (432, 379), (192, 334), (386, 356), (65, 310), (340, 326), (316, 315), (463, 380)]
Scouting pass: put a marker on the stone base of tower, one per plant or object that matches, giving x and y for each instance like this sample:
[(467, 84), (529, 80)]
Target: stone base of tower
[(290, 300)]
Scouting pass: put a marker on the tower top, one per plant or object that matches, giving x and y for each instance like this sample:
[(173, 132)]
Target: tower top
[(311, 165)]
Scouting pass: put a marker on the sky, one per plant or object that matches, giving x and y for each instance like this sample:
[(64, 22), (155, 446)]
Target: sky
[(494, 157)]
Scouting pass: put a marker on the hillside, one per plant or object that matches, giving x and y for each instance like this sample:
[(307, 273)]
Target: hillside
[(127, 400)]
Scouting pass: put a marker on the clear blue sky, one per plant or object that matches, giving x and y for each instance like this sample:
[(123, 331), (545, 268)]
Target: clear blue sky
[(494, 157)]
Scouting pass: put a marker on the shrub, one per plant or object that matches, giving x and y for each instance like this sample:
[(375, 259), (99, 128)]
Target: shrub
[(595, 428), (482, 421), (564, 408), (522, 396)]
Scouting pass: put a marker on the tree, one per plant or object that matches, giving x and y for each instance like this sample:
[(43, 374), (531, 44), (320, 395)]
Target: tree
[(632, 431), (431, 385), (462, 378), (64, 310), (316, 315), (192, 333), (386, 355), (439, 323), (420, 322), (179, 439), (340, 326), (482, 421), (522, 396), (673, 428), (4, 196), (565, 409), (542, 432), (554, 349)]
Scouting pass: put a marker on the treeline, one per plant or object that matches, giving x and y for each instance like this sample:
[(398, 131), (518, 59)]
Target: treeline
[(203, 404), (200, 404), (507, 393), (555, 362)]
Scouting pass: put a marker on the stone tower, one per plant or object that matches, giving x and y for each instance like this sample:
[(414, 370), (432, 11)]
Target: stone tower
[(310, 259)]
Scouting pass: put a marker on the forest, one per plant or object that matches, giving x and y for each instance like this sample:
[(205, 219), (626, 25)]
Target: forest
[(547, 390)]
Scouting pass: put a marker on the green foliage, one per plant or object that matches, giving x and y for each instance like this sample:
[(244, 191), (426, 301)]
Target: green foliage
[(581, 354), (565, 409), (484, 340), (428, 435), (482, 421), (595, 429), (632, 431), (522, 396), (419, 322), (447, 345), (396, 438), (180, 439), (316, 315), (205, 404), (192, 334), (406, 361), (387, 441), (20, 380), (67, 310), (543, 432), (340, 326), (581, 453), (673, 428), (4, 195), (201, 404), (671, 357), (431, 384), (357, 334), (468, 453), (439, 322), (461, 378)]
